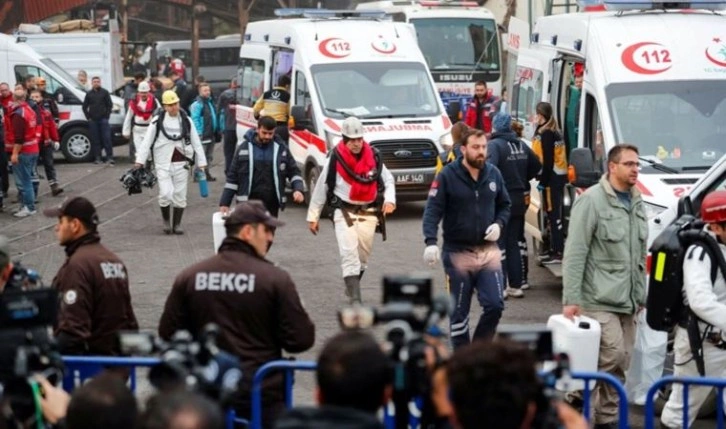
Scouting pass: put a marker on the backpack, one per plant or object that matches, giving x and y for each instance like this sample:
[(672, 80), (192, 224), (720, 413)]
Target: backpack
[(665, 303), (332, 202)]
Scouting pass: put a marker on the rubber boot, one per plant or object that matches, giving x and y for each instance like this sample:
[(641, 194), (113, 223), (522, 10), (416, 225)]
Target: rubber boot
[(55, 189), (352, 289), (166, 216), (177, 214)]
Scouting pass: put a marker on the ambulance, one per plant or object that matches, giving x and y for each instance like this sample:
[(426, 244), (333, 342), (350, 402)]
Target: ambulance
[(348, 63), (18, 60), (654, 77)]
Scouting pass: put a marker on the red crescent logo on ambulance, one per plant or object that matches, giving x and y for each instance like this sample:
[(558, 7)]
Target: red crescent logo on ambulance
[(719, 49), (646, 58), (334, 47), (383, 46)]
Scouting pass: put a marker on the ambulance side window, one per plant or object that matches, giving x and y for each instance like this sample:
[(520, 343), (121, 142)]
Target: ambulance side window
[(593, 134), (302, 95), (52, 86), (251, 81), (526, 93)]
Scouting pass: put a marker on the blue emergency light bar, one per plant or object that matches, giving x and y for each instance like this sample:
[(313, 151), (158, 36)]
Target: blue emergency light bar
[(629, 5), (329, 13)]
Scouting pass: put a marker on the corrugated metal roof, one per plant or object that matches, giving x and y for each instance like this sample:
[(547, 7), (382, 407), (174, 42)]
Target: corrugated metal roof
[(37, 10)]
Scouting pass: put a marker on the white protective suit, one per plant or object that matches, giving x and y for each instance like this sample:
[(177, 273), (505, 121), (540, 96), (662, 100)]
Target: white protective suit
[(134, 125), (172, 177), (708, 302)]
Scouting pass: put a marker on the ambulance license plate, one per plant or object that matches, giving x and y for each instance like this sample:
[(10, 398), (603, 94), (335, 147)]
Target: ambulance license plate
[(411, 178)]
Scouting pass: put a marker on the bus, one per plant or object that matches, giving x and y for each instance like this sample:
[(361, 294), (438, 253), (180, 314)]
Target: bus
[(459, 39)]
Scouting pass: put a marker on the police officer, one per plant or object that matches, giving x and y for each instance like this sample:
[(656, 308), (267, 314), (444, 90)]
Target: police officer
[(470, 196), (707, 300), (276, 103), (357, 178), (259, 169), (93, 285), (172, 142), (141, 109), (255, 303)]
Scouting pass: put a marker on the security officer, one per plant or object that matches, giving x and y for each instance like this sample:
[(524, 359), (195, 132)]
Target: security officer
[(255, 303), (707, 300), (259, 169), (93, 285), (276, 103), (172, 142), (138, 116), (352, 189), (470, 195)]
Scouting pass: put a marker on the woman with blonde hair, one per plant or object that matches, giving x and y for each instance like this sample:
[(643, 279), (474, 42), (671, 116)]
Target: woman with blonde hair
[(549, 146)]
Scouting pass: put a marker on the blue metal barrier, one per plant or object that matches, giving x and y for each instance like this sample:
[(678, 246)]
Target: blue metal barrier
[(718, 383), (589, 377), (80, 368)]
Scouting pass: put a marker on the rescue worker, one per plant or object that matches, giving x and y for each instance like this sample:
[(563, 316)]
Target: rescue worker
[(48, 144), (707, 300), (481, 109), (572, 115), (22, 133), (459, 130), (256, 304), (470, 196), (205, 121), (138, 116), (260, 169), (93, 285), (172, 142), (518, 165), (48, 101), (353, 189), (276, 103)]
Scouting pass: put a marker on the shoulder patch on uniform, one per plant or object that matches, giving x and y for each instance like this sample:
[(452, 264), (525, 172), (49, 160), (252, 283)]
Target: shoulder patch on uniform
[(243, 152), (493, 186), (70, 297)]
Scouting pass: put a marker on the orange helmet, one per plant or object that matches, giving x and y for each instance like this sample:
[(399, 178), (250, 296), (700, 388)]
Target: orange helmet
[(713, 207)]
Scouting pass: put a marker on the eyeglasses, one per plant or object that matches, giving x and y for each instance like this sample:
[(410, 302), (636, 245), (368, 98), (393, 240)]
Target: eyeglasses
[(630, 164)]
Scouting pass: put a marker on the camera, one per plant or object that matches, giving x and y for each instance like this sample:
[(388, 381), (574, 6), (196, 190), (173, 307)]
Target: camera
[(133, 179), (198, 366)]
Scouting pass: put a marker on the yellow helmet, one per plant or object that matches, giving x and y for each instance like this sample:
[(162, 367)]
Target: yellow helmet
[(169, 97)]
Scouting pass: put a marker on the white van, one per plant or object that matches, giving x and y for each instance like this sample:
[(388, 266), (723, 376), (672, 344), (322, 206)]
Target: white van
[(346, 63), (18, 60), (653, 78)]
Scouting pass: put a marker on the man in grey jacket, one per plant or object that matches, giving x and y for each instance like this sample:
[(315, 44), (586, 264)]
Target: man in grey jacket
[(604, 269)]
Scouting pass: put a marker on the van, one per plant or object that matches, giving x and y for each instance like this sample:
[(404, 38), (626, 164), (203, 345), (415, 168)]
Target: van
[(348, 63), (653, 77), (18, 60)]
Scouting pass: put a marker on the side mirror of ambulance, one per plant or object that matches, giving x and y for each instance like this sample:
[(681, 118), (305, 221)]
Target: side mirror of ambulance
[(301, 121), (685, 206), (581, 172), (454, 111)]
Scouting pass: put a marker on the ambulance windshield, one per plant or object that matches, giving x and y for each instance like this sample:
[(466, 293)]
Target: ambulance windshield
[(375, 90), (680, 124), (470, 44)]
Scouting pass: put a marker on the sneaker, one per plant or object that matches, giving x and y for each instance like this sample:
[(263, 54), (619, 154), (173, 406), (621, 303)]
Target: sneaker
[(553, 260), (111, 162), (514, 293), (524, 286), (97, 161), (25, 212)]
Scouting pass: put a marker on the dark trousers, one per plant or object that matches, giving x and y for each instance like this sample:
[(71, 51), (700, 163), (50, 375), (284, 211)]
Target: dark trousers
[(509, 243), (100, 138), (4, 179), (470, 272), (282, 131), (553, 195), (230, 143), (46, 158)]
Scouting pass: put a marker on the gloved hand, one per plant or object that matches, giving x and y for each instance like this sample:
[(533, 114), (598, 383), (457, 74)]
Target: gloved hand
[(56, 146), (492, 233), (431, 255)]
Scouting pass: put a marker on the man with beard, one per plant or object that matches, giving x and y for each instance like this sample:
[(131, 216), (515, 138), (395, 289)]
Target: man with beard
[(604, 269), (470, 196), (357, 180), (481, 109)]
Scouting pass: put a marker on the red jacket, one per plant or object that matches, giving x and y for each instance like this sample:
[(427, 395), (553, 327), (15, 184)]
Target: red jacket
[(5, 102), (479, 114), (21, 127), (50, 129)]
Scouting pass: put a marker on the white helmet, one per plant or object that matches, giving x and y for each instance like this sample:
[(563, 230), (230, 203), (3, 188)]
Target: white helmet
[(352, 128), (144, 87)]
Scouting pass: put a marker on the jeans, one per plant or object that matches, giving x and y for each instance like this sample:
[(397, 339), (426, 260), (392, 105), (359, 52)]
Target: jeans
[(209, 152), (230, 143), (46, 158), (100, 138), (23, 172)]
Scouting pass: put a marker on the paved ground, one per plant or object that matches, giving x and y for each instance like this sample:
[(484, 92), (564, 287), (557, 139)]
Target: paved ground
[(131, 227)]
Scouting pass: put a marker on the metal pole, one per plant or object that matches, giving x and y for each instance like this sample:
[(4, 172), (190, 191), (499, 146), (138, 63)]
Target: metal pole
[(125, 33), (195, 39)]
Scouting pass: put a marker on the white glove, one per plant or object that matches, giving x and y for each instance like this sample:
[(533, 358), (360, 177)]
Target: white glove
[(492, 233), (56, 145), (431, 255)]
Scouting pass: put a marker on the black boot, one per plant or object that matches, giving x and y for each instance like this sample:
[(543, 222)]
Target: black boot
[(210, 178), (55, 189), (360, 276), (352, 289), (166, 215), (177, 214)]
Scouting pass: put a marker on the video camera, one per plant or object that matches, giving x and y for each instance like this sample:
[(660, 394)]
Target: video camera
[(133, 179), (198, 366)]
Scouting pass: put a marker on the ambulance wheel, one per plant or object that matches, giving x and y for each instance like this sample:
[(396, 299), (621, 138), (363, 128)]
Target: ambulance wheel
[(311, 178), (76, 145)]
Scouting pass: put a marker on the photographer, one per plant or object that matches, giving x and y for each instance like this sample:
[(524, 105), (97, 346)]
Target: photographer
[(353, 383), (497, 383)]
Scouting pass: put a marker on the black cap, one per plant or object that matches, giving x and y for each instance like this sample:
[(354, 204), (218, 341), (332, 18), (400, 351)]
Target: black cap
[(77, 207), (252, 211)]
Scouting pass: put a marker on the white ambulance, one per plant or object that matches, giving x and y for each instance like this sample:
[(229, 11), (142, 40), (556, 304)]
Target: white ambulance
[(18, 60), (345, 63), (653, 77)]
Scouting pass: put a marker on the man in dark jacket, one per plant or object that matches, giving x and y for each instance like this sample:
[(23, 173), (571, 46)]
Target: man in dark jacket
[(255, 303), (353, 384), (97, 107), (93, 285), (518, 165), (226, 111), (470, 196), (265, 159)]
